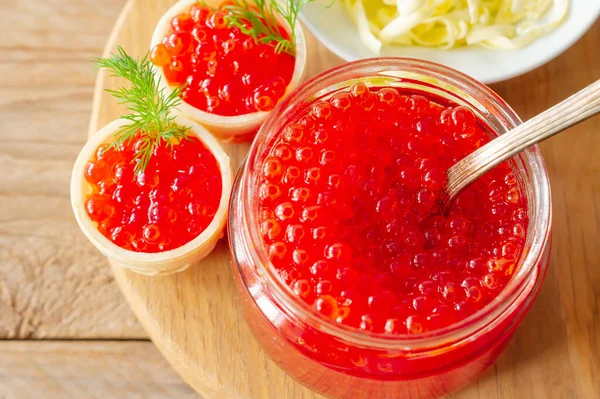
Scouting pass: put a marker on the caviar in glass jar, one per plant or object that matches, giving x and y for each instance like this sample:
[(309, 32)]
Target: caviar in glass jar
[(162, 208), (225, 71), (350, 215)]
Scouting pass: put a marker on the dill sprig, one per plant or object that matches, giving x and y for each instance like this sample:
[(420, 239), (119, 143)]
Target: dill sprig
[(148, 105), (262, 16)]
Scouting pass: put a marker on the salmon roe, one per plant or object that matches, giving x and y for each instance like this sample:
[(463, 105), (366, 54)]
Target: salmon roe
[(162, 208), (225, 71), (350, 215)]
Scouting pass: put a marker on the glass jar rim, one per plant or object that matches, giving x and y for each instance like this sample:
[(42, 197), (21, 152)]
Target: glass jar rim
[(539, 228)]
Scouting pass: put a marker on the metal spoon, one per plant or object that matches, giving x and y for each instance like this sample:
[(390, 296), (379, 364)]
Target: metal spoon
[(563, 115)]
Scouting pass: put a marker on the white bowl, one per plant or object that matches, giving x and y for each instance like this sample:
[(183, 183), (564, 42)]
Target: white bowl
[(159, 263), (334, 28), (227, 128)]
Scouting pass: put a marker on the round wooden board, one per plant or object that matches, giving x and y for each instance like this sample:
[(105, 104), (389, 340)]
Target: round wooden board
[(193, 319), (192, 316)]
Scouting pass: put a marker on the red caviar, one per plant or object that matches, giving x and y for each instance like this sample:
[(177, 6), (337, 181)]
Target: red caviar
[(162, 208), (350, 213), (226, 72)]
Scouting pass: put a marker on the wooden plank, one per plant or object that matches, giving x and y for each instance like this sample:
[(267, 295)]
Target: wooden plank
[(87, 369), (103, 369), (53, 283), (193, 319)]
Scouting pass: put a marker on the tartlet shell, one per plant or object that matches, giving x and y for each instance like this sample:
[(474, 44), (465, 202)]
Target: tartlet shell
[(160, 263), (227, 128)]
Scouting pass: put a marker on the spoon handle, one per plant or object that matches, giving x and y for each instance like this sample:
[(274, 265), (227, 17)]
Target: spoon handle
[(563, 115)]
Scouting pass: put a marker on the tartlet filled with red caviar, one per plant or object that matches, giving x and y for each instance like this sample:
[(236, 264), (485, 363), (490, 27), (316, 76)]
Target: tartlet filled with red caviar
[(234, 60), (150, 190)]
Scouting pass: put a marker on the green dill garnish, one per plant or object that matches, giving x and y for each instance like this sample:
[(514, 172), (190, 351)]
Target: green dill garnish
[(261, 15), (148, 105)]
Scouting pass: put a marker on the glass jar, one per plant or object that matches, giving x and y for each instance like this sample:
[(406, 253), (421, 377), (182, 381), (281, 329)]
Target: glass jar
[(342, 362)]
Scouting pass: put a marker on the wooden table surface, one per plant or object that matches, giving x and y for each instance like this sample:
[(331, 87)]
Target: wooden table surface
[(65, 329)]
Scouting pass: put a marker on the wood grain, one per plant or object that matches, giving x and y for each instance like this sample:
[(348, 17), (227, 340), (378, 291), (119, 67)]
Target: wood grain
[(192, 316), (87, 369), (53, 283)]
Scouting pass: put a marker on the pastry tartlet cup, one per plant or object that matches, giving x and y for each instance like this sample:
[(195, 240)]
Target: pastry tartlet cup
[(236, 128), (159, 263)]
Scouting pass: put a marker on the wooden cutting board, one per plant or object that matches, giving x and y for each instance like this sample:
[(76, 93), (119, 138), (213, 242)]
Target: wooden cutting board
[(193, 319)]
